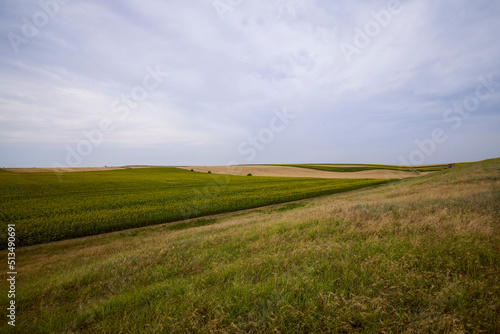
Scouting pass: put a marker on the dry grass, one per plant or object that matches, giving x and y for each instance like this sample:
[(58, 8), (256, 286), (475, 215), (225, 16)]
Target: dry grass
[(285, 171)]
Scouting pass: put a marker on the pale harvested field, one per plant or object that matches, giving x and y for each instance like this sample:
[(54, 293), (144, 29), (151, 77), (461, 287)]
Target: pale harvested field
[(69, 169), (285, 171), (336, 165)]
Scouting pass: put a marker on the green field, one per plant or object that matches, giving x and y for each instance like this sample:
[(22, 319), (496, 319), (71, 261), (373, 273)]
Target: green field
[(88, 203), (363, 167), (420, 255)]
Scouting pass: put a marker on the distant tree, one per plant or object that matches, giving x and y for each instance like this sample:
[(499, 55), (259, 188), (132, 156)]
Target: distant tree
[(209, 172), (249, 174)]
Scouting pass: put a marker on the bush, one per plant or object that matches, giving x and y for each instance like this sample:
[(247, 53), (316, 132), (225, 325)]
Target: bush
[(209, 172), (249, 174)]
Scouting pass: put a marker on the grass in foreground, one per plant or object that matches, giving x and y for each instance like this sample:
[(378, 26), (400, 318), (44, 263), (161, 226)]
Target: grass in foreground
[(89, 203), (421, 255)]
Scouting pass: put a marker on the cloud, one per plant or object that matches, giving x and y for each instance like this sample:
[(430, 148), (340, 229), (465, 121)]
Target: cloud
[(226, 76)]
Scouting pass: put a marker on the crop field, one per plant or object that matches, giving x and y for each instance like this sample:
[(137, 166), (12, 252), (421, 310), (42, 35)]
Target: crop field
[(361, 167), (89, 203), (419, 255), (298, 171)]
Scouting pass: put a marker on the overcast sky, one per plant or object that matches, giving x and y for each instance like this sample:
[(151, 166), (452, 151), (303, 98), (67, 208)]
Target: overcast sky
[(95, 83)]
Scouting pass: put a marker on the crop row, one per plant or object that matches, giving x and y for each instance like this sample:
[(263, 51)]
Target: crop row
[(90, 203)]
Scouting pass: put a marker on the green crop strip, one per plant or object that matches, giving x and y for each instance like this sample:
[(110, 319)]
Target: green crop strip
[(356, 168)]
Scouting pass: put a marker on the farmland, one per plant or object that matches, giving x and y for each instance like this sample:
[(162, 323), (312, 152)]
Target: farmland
[(88, 203), (319, 171), (417, 256), (364, 167)]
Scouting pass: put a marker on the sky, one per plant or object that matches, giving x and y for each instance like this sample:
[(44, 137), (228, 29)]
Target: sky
[(101, 83)]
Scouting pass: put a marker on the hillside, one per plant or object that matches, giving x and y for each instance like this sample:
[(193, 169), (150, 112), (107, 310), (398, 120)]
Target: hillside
[(418, 255)]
